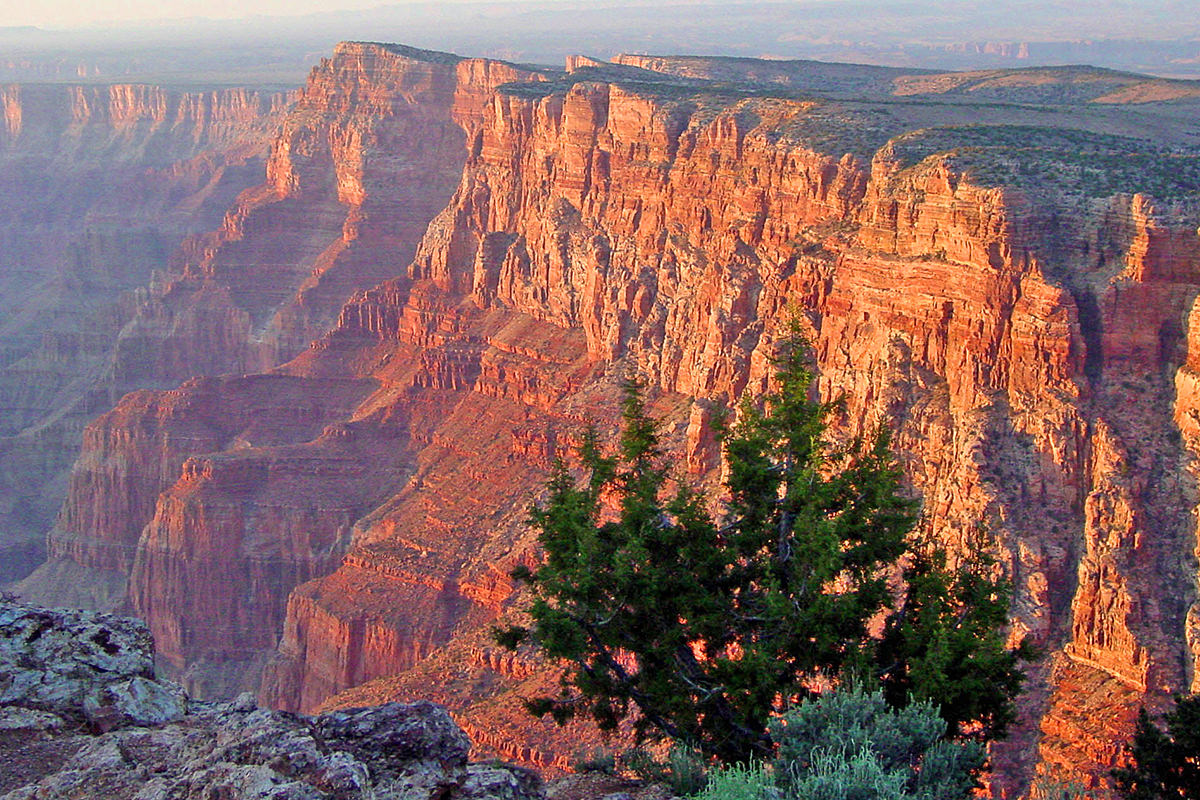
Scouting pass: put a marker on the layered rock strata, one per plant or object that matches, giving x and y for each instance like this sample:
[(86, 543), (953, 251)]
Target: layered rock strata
[(1003, 349), (98, 184), (1024, 330), (371, 151)]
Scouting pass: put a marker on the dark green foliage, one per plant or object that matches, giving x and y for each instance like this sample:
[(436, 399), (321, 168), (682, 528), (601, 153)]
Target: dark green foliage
[(811, 530), (1164, 764), (699, 631), (944, 643), (641, 585)]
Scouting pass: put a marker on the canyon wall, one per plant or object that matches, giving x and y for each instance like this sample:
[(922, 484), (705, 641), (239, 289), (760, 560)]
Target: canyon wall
[(672, 238), (1026, 367), (372, 149), (357, 511), (370, 153), (98, 184)]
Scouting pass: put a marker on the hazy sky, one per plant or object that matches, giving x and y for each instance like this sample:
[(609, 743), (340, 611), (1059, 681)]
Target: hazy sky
[(858, 20), (66, 13), (71, 13)]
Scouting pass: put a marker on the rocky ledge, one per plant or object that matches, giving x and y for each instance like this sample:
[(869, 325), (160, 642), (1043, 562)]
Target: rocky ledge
[(82, 716)]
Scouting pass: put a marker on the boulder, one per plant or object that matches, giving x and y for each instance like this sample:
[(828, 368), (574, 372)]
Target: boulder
[(137, 701), (82, 716), (62, 661)]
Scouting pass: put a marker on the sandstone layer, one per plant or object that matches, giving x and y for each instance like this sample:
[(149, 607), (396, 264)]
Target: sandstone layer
[(1013, 297)]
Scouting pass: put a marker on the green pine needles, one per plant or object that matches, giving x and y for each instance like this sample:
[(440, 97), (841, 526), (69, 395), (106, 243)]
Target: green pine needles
[(701, 630), (1164, 764)]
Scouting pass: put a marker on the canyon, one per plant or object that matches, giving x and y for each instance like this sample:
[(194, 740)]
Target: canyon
[(100, 184), (340, 400)]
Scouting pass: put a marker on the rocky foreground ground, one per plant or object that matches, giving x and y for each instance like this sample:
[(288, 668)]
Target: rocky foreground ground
[(82, 716)]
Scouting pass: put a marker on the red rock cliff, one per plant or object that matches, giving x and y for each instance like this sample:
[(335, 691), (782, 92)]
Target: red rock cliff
[(1022, 338), (671, 238), (371, 151)]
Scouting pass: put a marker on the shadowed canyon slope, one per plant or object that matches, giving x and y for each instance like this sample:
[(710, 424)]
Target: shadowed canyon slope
[(1002, 267), (99, 184)]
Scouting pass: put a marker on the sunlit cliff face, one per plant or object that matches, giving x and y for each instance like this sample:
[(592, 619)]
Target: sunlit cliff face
[(479, 254)]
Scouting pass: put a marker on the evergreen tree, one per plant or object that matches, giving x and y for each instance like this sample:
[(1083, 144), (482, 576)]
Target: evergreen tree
[(700, 630), (943, 643), (1164, 764)]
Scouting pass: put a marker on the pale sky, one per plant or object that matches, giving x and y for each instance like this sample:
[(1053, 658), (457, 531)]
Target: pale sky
[(69, 13), (73, 13)]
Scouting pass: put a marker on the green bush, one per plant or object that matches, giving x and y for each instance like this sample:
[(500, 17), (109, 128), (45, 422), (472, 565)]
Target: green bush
[(839, 775), (849, 744), (683, 770), (753, 781)]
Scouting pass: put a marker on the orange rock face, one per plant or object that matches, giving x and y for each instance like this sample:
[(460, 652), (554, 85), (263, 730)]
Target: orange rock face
[(371, 152), (513, 252)]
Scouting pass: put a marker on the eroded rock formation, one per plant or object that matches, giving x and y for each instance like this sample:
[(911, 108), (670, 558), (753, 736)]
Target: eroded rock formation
[(371, 151), (1013, 297), (98, 184)]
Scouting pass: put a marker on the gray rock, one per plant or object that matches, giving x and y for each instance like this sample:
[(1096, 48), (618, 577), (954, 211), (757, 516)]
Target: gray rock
[(147, 742), (137, 701), (15, 718), (52, 659), (498, 782), (413, 752), (397, 738), (392, 752), (245, 701)]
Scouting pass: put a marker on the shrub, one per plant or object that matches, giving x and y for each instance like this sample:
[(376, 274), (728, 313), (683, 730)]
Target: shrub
[(852, 739), (683, 770), (848, 744), (753, 781)]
